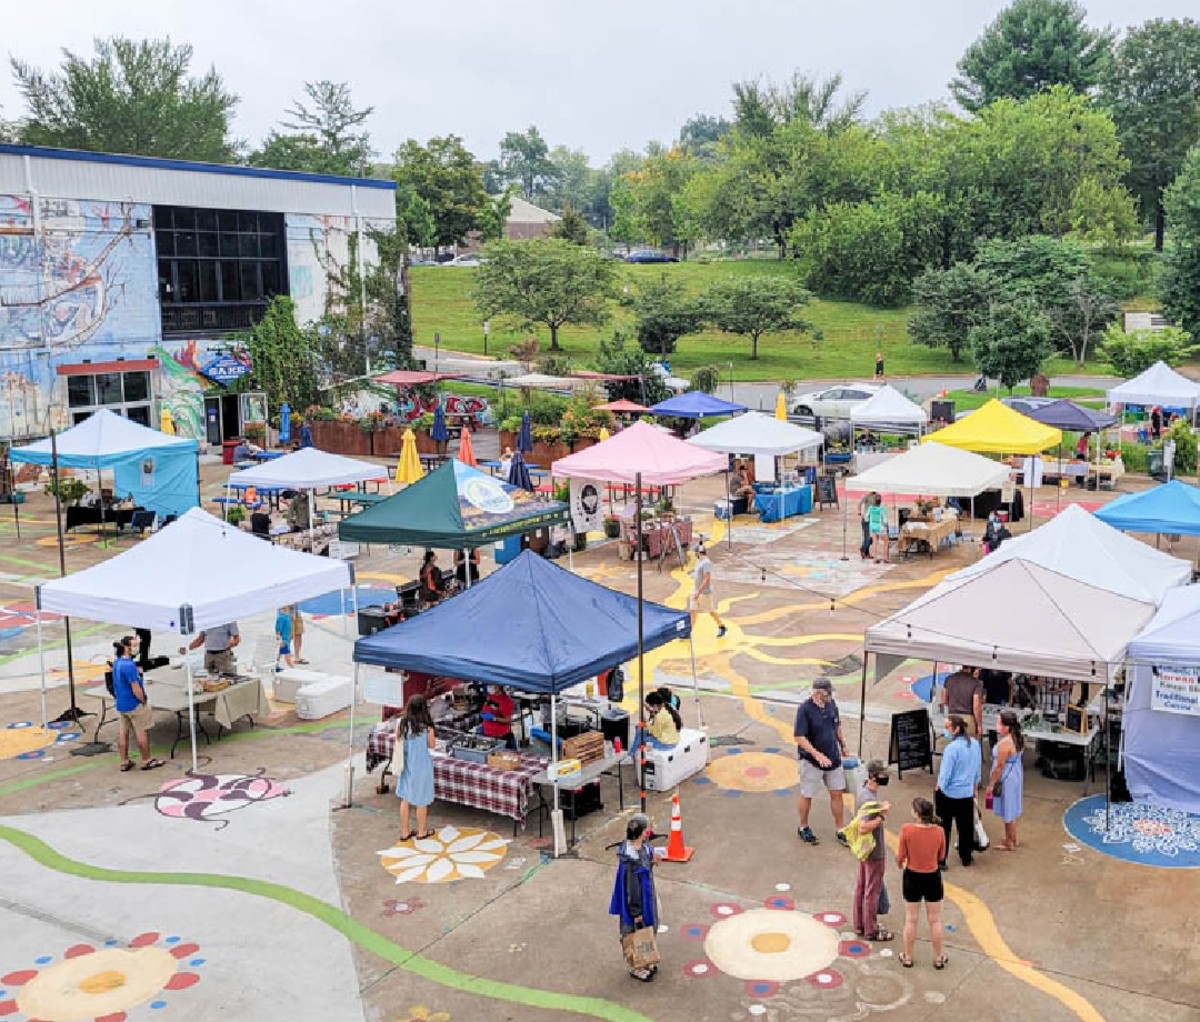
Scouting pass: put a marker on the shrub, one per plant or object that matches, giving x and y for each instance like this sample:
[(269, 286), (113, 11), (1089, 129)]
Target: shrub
[(235, 515), (1185, 447), (1133, 352), (70, 490), (1134, 456)]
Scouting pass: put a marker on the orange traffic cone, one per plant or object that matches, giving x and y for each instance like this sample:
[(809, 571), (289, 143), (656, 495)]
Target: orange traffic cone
[(677, 851)]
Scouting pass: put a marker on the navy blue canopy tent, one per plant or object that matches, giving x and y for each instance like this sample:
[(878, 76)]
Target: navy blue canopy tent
[(1061, 414), (695, 404), (532, 625)]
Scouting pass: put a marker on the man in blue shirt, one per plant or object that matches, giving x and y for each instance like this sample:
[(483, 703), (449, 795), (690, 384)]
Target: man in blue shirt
[(957, 784), (820, 746), (133, 710)]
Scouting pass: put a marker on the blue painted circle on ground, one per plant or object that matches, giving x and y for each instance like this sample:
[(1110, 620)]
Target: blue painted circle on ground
[(172, 940), (1136, 832), (330, 604), (44, 960), (196, 962), (158, 1004), (733, 751)]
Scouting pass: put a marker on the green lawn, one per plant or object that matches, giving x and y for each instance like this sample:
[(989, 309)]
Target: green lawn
[(853, 333)]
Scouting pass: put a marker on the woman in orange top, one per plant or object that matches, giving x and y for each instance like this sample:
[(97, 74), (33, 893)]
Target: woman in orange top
[(922, 847)]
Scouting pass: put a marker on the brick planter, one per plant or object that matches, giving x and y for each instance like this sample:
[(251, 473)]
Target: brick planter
[(340, 438)]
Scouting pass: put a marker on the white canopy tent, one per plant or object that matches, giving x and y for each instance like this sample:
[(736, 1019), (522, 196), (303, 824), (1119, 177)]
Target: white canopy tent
[(757, 434), (1158, 385), (540, 381), (1014, 615), (888, 407), (193, 574), (1078, 545), (933, 470)]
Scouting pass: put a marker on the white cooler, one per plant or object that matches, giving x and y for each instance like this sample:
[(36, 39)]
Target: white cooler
[(323, 698), (288, 682), (666, 768)]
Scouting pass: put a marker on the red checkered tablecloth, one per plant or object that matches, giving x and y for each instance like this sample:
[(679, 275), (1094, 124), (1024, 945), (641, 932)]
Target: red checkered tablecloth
[(504, 792)]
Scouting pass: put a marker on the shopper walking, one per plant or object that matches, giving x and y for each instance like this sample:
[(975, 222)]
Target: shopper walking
[(298, 634), (877, 522), (634, 899), (957, 786), (702, 591), (864, 512), (414, 782), (1006, 784), (922, 848), (877, 904), (820, 746)]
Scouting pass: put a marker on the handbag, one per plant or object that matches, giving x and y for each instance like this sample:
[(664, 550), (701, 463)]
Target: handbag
[(998, 787), (641, 948), (398, 751), (982, 842)]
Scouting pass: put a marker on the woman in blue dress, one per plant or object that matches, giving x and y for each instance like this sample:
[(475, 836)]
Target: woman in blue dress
[(1009, 771), (414, 785)]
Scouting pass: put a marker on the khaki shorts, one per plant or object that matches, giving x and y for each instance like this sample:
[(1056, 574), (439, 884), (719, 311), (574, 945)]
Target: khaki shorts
[(220, 663), (813, 780), (297, 626), (702, 601), (138, 721)]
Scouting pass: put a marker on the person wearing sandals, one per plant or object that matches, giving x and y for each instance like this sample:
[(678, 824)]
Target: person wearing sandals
[(922, 847), (298, 634), (414, 785), (1006, 784), (870, 898), (132, 707), (634, 900)]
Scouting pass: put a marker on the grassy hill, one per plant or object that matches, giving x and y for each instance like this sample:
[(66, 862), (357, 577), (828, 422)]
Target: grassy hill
[(852, 332)]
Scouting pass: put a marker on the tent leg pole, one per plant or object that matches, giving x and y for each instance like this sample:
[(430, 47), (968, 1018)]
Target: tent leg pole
[(641, 648), (62, 568), (729, 521), (862, 705), (696, 682), (41, 650), (348, 801), (191, 714), (554, 740), (845, 525)]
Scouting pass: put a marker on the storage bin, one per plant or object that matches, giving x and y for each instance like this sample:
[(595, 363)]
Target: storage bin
[(324, 698)]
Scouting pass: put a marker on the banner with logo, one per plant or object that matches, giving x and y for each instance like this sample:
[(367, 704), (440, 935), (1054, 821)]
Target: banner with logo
[(587, 510), (1176, 690)]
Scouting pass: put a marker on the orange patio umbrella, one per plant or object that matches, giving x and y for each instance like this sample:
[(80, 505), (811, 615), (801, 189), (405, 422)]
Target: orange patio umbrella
[(466, 453)]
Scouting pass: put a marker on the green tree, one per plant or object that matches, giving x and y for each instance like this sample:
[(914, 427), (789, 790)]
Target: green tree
[(525, 161), (616, 356), (649, 202), (700, 135), (446, 176), (134, 96), (547, 282), (414, 217), (664, 312), (324, 135), (284, 357), (1152, 90), (951, 303), (1136, 351), (1011, 345), (753, 306), (761, 107), (1031, 46), (494, 218), (571, 227), (1180, 284)]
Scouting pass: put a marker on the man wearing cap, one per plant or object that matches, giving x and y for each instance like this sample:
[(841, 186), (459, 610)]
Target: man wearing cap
[(820, 746)]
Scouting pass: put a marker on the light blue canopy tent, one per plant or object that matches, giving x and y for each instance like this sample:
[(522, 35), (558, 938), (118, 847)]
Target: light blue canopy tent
[(160, 472), (1173, 508)]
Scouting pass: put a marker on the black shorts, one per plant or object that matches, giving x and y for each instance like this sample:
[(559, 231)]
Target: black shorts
[(920, 887)]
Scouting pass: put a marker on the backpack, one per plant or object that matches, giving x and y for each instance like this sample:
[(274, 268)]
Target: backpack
[(616, 685), (862, 842)]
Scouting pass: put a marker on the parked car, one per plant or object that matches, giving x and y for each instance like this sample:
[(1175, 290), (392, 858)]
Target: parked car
[(650, 256), (466, 259), (835, 402)]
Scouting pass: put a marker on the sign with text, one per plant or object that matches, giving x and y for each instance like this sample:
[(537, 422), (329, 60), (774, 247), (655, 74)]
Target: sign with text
[(1176, 690), (910, 745), (225, 369)]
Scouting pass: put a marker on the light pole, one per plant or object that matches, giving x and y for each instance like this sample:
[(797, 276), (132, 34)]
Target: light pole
[(437, 345), (730, 381), (487, 329)]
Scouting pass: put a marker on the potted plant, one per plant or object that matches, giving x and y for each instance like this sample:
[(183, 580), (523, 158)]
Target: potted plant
[(255, 432), (235, 515), (612, 526), (70, 490)]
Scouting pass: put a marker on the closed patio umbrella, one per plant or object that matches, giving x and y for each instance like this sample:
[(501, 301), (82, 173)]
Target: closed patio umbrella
[(285, 424), (408, 469), (781, 407), (466, 453), (166, 423), (604, 433), (518, 473), (525, 436), (438, 434)]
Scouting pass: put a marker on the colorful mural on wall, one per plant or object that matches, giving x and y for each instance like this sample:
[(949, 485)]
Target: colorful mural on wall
[(82, 285)]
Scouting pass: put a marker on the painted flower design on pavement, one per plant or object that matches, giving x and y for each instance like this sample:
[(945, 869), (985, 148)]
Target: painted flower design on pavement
[(452, 853), (1146, 828), (100, 983), (420, 1013), (26, 740), (395, 907)]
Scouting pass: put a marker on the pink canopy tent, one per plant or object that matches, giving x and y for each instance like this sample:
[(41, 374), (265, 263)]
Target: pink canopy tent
[(659, 458)]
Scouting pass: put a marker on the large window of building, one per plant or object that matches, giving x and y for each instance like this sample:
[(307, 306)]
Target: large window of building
[(126, 392), (217, 268)]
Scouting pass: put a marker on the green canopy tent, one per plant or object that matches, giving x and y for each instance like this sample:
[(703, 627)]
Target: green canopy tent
[(454, 506)]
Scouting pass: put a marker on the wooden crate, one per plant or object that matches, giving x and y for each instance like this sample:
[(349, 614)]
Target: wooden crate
[(504, 760), (587, 747)]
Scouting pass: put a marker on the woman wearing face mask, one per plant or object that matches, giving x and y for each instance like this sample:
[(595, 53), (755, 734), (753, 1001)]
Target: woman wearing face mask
[(922, 848), (1009, 773), (868, 890), (634, 901), (958, 782)]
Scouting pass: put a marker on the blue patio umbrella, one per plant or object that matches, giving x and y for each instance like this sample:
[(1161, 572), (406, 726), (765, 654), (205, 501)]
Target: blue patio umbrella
[(518, 473), (438, 434), (306, 437), (285, 424), (525, 436)]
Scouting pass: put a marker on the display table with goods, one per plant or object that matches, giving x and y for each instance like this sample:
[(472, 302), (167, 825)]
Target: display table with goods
[(657, 532), (777, 503), (579, 790), (926, 534), (97, 515), (226, 700)]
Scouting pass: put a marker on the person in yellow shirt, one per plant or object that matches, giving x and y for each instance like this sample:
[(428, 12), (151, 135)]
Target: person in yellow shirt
[(663, 726)]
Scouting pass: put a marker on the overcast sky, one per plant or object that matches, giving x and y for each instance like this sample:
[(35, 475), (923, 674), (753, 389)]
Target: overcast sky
[(597, 76)]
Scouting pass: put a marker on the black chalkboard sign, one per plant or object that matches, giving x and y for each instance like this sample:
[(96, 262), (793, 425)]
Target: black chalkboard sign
[(911, 744), (827, 490)]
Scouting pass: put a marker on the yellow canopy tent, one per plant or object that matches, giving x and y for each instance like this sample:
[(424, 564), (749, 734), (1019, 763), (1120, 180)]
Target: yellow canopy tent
[(997, 429)]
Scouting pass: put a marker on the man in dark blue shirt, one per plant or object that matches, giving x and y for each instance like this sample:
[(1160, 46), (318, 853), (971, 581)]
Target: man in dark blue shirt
[(820, 745)]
